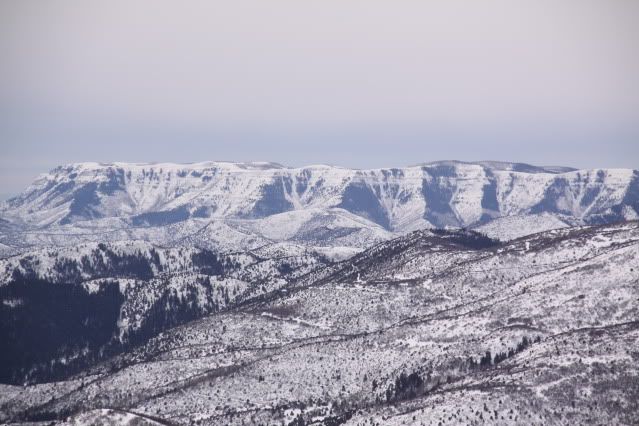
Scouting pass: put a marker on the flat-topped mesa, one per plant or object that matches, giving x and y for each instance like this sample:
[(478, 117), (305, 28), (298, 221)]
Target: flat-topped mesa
[(506, 166), (439, 194), (168, 166)]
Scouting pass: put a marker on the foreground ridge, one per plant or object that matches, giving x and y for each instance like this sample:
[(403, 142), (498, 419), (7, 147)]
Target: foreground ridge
[(434, 327)]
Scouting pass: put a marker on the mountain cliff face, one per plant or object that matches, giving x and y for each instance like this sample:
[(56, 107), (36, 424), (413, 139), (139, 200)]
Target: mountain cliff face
[(431, 195)]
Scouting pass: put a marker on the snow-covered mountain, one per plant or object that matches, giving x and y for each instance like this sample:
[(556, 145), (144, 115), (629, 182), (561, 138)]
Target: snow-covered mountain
[(321, 295), (63, 308), (434, 327), (259, 203)]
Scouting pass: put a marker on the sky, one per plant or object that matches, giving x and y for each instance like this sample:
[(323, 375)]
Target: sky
[(355, 83)]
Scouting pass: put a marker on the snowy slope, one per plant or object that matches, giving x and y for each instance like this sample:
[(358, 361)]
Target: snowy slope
[(435, 327), (61, 308), (511, 227), (164, 202)]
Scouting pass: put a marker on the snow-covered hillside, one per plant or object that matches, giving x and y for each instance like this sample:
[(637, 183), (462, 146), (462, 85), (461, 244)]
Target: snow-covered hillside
[(63, 308), (245, 205), (252, 293), (436, 327)]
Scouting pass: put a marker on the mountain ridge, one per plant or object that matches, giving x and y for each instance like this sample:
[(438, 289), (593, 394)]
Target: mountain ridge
[(132, 196), (436, 326)]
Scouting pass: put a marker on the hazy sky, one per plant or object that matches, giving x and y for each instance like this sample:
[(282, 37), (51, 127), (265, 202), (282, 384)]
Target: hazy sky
[(355, 83)]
